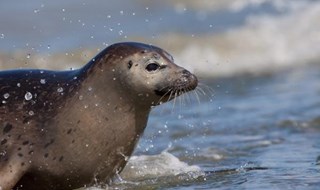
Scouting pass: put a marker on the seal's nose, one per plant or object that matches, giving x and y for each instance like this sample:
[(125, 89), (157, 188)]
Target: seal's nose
[(191, 78), (186, 73)]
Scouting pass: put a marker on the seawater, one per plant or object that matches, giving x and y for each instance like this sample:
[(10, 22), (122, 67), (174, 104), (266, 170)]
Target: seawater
[(250, 133)]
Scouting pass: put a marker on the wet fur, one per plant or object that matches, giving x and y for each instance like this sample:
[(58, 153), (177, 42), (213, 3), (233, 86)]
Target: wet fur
[(52, 141)]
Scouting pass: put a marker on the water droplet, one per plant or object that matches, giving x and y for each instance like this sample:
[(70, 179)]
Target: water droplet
[(109, 16), (60, 89), (36, 10), (48, 46), (31, 113), (3, 101), (120, 32), (114, 78), (28, 56), (121, 12), (1, 36), (18, 84), (63, 10), (43, 81), (28, 96), (87, 145), (75, 78), (80, 97), (86, 106), (6, 95), (90, 88)]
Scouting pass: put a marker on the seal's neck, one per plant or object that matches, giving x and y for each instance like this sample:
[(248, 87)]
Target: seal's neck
[(103, 91)]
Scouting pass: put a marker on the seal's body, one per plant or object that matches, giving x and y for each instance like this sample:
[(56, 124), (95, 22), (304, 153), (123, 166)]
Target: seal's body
[(68, 129)]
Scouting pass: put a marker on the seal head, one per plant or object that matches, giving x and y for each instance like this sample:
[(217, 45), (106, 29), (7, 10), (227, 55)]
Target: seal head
[(149, 73)]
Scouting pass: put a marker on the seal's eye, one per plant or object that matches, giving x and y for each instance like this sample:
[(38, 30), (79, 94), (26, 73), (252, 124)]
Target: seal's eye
[(152, 67)]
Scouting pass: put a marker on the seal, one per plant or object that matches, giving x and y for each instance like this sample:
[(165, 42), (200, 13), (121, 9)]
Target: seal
[(70, 129)]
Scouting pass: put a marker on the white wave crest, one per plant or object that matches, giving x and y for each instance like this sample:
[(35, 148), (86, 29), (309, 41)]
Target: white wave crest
[(266, 43), (164, 164)]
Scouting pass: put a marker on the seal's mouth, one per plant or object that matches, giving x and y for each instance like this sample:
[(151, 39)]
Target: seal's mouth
[(163, 92), (185, 83)]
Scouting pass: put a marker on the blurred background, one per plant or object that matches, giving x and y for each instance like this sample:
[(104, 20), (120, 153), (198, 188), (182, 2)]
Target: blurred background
[(214, 38), (257, 104)]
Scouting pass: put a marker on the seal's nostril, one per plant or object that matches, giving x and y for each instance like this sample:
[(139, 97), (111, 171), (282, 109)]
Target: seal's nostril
[(186, 72)]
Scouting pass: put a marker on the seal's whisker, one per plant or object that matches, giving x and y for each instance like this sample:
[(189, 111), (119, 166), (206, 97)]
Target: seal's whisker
[(190, 97), (170, 97), (206, 87), (201, 90), (174, 99), (162, 98), (197, 96), (159, 101), (186, 96), (163, 88), (176, 95), (181, 96)]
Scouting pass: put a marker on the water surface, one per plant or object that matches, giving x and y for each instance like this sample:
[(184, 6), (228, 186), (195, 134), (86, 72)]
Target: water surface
[(254, 133)]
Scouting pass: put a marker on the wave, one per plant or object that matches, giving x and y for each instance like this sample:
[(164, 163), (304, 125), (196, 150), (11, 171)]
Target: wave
[(153, 166), (265, 43), (153, 170), (235, 5)]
